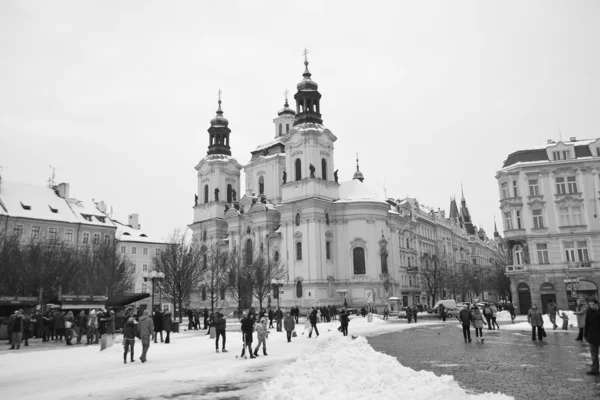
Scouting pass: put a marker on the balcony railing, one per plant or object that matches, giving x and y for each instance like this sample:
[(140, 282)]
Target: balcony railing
[(516, 268), (580, 264)]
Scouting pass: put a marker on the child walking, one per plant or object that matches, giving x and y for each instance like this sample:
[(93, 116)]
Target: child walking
[(565, 324)]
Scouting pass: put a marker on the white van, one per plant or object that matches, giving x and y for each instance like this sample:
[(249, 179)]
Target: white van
[(451, 309)]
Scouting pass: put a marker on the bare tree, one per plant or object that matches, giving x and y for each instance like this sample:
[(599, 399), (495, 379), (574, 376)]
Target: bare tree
[(263, 271), (239, 277), (432, 277), (497, 279), (477, 279), (181, 263), (215, 262), (104, 271)]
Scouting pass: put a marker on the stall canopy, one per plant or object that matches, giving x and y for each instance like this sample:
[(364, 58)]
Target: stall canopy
[(82, 302), (122, 299), (18, 300)]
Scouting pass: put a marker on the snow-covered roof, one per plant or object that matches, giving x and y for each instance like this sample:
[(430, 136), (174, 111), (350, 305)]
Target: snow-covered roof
[(87, 213), (126, 233), (23, 200), (268, 144), (355, 190)]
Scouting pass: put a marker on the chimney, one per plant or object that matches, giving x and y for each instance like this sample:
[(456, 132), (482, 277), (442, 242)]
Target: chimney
[(62, 190), (573, 139), (550, 141), (101, 206), (134, 221)]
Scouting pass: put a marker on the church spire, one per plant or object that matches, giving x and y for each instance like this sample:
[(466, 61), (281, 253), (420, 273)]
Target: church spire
[(286, 107), (358, 175), (307, 98), (219, 133), (496, 234)]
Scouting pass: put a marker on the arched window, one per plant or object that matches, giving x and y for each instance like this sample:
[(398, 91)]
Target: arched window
[(328, 250), (203, 293), (229, 193), (275, 289), (261, 185), (298, 169), (299, 251), (324, 169), (280, 129), (249, 252), (204, 234), (276, 256), (299, 289), (205, 194), (358, 258), (384, 262), (287, 128), (298, 219)]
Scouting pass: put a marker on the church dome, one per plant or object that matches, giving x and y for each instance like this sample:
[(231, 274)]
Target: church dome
[(358, 175), (356, 190), (219, 119), (286, 110), (307, 83)]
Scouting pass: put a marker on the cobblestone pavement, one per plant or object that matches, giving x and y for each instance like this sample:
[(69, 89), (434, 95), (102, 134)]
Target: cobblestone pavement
[(508, 361)]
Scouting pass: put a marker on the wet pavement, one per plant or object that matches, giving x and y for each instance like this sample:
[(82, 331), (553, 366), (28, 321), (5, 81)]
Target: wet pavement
[(508, 361)]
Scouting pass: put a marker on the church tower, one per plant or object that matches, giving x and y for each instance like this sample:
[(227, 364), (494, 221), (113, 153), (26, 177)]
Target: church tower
[(218, 182), (285, 119), (466, 215), (309, 148)]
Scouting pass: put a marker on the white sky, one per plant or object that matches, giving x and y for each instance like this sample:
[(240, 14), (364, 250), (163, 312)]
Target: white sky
[(118, 95)]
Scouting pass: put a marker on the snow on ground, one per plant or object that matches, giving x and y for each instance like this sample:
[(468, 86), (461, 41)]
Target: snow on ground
[(520, 326), (352, 369), (189, 367)]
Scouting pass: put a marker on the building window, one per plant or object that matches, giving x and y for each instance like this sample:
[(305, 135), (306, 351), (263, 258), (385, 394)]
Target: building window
[(96, 238), (86, 238), (576, 215), (297, 219), (566, 155), (205, 194), (556, 155), (571, 184), (518, 255), (518, 219), (280, 129), (560, 185), (569, 251), (507, 221), (52, 233), (563, 213), (582, 251), (299, 251), (144, 288), (35, 232), (324, 169), (106, 239), (229, 193), (504, 188), (538, 219), (145, 251), (534, 188), (157, 252), (133, 250), (144, 267), (598, 151), (542, 253), (68, 235), (18, 230), (299, 289), (298, 167), (123, 249), (249, 252), (328, 250), (287, 128), (515, 189), (358, 258), (261, 185)]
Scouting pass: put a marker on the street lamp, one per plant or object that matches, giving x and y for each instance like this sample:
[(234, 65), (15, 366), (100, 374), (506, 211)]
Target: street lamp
[(153, 276)]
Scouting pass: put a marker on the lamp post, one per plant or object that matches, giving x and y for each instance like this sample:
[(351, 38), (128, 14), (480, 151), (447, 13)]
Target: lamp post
[(153, 276)]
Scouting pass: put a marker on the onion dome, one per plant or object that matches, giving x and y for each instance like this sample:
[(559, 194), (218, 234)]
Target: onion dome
[(219, 119), (358, 175), (286, 110), (307, 83)]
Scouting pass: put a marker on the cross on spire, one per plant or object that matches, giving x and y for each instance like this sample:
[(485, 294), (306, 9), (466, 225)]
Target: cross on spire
[(219, 93), (305, 54), (285, 93)]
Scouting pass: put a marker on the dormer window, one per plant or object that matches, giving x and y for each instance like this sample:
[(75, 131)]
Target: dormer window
[(143, 235), (126, 234), (87, 217), (25, 206), (101, 219), (54, 210)]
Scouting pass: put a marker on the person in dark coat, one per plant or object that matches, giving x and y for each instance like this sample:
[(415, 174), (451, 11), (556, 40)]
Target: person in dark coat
[(409, 314), (442, 311), (128, 338), (205, 318), (17, 330), (158, 325), (466, 319), (196, 319), (313, 322), (190, 315), (344, 320), (271, 316), (289, 324), (27, 328), (247, 329), (580, 311), (592, 333), (81, 323), (167, 325), (536, 320), (69, 325), (59, 325), (279, 318), (46, 324), (296, 313), (220, 328), (110, 323)]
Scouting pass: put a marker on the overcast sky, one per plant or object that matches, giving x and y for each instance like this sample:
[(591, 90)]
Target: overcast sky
[(118, 95)]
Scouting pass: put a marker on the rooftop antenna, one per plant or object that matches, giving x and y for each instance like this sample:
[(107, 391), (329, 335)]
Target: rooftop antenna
[(51, 180)]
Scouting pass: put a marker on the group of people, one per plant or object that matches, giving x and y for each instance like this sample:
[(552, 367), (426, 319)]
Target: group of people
[(472, 316), (194, 316)]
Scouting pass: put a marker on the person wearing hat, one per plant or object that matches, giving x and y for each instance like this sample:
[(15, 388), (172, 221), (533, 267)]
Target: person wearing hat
[(344, 319), (146, 326), (128, 339), (92, 328), (18, 326), (262, 334)]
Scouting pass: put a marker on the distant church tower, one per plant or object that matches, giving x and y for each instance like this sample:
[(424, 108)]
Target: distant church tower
[(218, 182)]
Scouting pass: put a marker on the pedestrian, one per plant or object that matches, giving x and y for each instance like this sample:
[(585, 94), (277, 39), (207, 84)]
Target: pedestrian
[(487, 313), (128, 339), (565, 324), (220, 328), (46, 324), (146, 326), (190, 315), (81, 324), (494, 315), (465, 318), (262, 334), (205, 318), (271, 316), (552, 313), (592, 333), (158, 325), (69, 322), (386, 312), (289, 324), (27, 328), (196, 319), (344, 320), (536, 320), (17, 330), (279, 318), (92, 328), (442, 311), (110, 324), (167, 325), (415, 312), (59, 325), (247, 328), (511, 309), (313, 322), (580, 311), (478, 323), (409, 314)]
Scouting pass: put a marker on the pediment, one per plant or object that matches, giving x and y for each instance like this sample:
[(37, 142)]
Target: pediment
[(536, 203), (569, 200)]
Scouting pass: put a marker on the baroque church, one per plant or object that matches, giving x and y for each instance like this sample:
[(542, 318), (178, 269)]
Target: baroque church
[(338, 241)]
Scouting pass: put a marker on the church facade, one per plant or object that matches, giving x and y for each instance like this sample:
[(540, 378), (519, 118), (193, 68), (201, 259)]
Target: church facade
[(339, 242)]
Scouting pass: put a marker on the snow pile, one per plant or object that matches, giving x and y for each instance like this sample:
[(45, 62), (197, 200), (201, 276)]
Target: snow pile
[(342, 368), (503, 316)]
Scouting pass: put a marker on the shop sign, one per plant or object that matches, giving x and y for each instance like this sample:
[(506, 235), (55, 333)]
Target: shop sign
[(547, 286), (523, 287), (18, 300), (83, 298)]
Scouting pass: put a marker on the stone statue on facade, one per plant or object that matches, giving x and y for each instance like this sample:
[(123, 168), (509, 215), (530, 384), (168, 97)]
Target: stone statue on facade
[(312, 170)]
